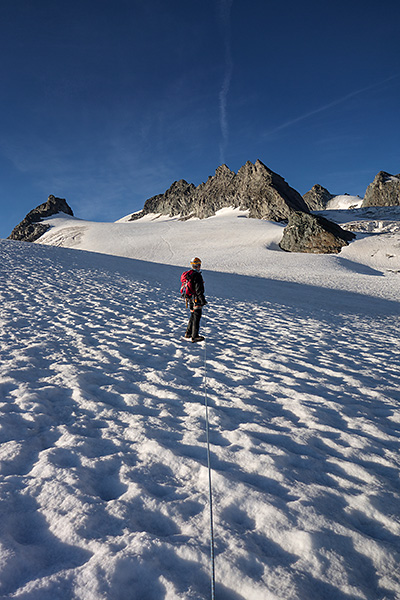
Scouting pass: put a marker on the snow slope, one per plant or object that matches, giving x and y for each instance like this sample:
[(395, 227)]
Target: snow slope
[(232, 243), (104, 484)]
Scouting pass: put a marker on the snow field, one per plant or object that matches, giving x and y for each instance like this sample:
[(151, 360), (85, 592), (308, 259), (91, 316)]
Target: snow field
[(231, 243), (104, 484)]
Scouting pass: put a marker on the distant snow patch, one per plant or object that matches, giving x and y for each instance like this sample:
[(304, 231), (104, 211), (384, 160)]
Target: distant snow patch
[(231, 211), (344, 202), (393, 178)]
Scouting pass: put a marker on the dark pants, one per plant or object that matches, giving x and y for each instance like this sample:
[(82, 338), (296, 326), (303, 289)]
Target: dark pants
[(194, 323)]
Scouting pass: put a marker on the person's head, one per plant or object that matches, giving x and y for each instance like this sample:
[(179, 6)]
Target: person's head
[(196, 264)]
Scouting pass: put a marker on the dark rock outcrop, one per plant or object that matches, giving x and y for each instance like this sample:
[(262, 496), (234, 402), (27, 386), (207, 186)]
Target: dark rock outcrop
[(31, 229), (176, 200), (313, 234), (317, 198), (383, 191), (255, 188)]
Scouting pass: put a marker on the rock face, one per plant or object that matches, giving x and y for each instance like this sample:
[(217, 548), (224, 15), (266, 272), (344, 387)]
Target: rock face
[(30, 229), (383, 191), (313, 234), (255, 188), (317, 198)]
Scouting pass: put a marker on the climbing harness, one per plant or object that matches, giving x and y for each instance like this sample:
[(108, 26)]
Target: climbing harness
[(209, 478)]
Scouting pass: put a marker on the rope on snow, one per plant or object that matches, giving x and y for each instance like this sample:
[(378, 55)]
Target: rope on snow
[(209, 478)]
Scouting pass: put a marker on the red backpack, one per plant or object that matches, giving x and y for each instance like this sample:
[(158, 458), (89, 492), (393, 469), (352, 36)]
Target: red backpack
[(187, 289)]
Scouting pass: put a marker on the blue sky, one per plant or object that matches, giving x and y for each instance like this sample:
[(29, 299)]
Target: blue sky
[(107, 103)]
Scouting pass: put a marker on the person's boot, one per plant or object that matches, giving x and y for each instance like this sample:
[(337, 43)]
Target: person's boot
[(198, 338)]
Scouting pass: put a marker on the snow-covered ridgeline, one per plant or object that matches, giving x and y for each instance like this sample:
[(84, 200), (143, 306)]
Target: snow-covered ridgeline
[(103, 474)]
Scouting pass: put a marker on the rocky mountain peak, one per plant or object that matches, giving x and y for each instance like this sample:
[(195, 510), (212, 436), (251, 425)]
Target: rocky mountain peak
[(318, 197), (223, 171), (30, 229), (383, 191), (255, 188), (179, 186), (253, 170)]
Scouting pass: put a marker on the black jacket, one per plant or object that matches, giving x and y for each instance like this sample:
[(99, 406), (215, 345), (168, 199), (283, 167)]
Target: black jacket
[(198, 286)]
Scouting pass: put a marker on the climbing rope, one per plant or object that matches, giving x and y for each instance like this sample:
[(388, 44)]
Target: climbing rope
[(209, 478)]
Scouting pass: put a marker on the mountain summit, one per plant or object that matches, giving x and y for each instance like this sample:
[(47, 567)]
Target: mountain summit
[(383, 191), (31, 228), (255, 188)]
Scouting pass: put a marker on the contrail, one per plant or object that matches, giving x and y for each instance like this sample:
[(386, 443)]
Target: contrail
[(224, 10), (330, 105)]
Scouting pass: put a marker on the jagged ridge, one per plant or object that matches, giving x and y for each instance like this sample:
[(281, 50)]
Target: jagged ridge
[(255, 188)]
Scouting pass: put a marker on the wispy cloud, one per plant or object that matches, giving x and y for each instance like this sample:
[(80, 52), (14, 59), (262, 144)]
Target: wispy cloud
[(224, 13), (328, 106)]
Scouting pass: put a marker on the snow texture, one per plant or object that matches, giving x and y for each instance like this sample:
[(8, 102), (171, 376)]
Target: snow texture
[(103, 472)]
